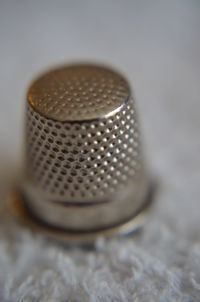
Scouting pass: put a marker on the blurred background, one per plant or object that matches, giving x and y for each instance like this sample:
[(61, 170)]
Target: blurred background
[(156, 44)]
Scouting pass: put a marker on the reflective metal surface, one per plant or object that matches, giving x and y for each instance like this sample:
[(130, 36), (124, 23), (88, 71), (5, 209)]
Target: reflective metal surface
[(84, 168), (78, 92)]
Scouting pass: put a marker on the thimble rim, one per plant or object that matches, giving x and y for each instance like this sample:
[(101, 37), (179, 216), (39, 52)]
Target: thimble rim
[(18, 209), (57, 103)]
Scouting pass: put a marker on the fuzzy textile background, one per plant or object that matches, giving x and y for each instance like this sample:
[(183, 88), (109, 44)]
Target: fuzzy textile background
[(157, 45)]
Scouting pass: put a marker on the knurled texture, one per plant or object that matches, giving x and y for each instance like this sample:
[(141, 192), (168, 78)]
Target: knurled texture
[(82, 161), (78, 92)]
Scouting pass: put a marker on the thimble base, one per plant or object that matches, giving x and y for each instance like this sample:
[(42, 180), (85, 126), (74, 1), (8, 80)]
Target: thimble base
[(19, 209)]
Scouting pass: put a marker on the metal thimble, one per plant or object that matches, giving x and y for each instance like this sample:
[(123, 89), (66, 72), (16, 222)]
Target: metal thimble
[(84, 170)]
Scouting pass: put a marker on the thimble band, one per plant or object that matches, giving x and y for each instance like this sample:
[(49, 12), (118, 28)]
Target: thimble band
[(89, 216), (18, 207)]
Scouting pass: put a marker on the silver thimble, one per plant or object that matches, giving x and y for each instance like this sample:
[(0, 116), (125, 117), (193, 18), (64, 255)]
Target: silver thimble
[(84, 169)]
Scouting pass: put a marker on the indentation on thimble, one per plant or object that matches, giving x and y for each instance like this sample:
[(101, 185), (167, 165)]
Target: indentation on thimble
[(82, 161), (78, 92)]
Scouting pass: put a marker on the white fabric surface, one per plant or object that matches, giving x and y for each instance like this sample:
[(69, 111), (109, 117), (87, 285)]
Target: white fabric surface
[(157, 45)]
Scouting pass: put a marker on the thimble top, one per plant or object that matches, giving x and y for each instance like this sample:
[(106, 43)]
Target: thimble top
[(78, 92)]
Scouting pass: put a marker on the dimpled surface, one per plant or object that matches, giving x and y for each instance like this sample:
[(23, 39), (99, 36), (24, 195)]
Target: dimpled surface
[(78, 92), (82, 161)]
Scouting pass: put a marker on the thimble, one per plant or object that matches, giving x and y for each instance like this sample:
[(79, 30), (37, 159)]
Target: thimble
[(84, 169)]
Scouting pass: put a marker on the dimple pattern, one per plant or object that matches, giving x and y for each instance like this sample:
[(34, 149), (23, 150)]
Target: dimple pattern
[(85, 161), (78, 92)]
